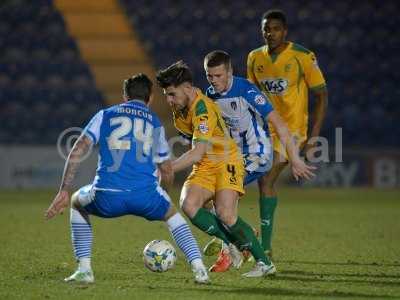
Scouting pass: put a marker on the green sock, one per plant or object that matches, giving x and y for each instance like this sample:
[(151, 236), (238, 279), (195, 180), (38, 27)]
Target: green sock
[(207, 222), (228, 235), (267, 210), (246, 238)]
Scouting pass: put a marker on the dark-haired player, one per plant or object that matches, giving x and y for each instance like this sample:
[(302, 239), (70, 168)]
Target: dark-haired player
[(132, 146), (218, 169), (285, 72)]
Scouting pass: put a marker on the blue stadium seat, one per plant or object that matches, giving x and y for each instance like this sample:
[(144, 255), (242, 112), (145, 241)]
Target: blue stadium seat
[(40, 72), (347, 54)]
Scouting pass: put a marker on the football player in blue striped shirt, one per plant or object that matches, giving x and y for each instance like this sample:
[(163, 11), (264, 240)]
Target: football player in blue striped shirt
[(132, 146), (246, 112)]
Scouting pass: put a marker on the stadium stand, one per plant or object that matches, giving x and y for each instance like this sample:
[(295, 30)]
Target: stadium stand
[(45, 86), (355, 43)]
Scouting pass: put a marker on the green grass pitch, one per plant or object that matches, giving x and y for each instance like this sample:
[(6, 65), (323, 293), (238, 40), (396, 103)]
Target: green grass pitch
[(328, 244)]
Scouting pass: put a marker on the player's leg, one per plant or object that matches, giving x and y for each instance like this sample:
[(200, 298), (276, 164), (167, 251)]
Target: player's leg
[(87, 202), (257, 167), (268, 200), (185, 240), (214, 246), (156, 205), (229, 186), (226, 207), (81, 235), (193, 197)]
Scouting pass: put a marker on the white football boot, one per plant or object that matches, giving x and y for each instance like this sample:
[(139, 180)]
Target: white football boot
[(236, 256), (201, 276), (81, 277), (260, 270)]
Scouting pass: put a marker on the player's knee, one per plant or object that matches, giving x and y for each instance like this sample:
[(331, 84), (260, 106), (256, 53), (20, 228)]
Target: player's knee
[(209, 205), (228, 219), (75, 200), (226, 216), (265, 184), (171, 211), (267, 189), (188, 206)]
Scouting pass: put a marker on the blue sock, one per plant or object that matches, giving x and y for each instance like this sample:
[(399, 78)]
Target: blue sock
[(184, 238), (82, 236)]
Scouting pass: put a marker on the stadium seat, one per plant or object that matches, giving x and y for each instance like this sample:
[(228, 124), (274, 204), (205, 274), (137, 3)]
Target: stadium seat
[(344, 52), (41, 71)]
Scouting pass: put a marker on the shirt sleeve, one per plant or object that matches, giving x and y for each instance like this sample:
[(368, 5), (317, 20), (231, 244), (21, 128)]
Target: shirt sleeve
[(250, 68), (161, 150), (312, 73), (203, 122), (257, 100), (92, 129)]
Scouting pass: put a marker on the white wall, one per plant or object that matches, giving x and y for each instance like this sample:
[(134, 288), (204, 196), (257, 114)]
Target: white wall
[(39, 167)]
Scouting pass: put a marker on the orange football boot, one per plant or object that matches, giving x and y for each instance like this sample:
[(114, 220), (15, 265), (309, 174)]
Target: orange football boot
[(223, 262)]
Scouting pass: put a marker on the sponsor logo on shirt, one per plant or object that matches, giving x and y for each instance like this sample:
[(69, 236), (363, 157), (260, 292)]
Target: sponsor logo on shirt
[(203, 127), (232, 123), (275, 85)]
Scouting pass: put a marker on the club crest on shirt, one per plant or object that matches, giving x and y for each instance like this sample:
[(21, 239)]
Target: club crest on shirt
[(203, 127), (234, 105), (260, 69), (259, 100)]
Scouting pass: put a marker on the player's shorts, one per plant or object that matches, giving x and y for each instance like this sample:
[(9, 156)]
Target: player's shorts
[(256, 166), (218, 176), (299, 141), (151, 204)]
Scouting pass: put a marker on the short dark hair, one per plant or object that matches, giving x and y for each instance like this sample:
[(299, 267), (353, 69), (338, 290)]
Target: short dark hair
[(138, 87), (217, 58), (275, 14), (174, 75)]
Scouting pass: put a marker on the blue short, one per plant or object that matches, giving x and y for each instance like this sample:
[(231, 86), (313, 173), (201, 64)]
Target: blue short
[(253, 176), (256, 167), (152, 205)]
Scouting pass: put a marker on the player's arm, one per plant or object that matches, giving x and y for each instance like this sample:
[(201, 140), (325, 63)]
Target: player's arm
[(203, 124), (316, 82), (299, 168), (318, 115), (191, 157), (78, 151), (166, 174), (260, 103), (83, 144), (161, 156)]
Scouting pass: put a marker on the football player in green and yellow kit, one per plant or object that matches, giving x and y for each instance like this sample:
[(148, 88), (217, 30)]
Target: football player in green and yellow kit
[(285, 72)]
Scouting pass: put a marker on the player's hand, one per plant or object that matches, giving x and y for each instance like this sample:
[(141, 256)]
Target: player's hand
[(60, 202), (301, 170)]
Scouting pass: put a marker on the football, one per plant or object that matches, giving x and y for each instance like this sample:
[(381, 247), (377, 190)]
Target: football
[(159, 256)]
